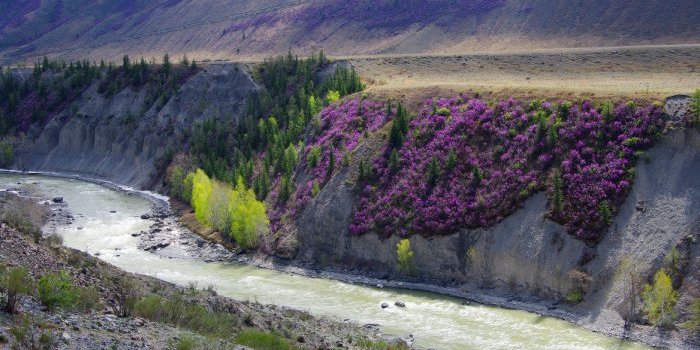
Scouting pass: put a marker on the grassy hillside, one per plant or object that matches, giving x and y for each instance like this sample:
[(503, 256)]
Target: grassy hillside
[(255, 29)]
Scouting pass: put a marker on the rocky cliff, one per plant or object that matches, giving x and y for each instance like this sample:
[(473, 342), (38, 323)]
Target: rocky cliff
[(126, 140)]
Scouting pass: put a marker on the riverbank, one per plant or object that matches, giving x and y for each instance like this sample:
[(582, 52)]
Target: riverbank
[(486, 296), (100, 327)]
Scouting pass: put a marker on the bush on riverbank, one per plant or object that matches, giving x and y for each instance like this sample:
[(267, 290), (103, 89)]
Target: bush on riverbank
[(231, 210), (13, 283), (57, 290)]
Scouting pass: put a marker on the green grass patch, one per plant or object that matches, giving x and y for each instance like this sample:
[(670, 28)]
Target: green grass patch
[(262, 340), (180, 312)]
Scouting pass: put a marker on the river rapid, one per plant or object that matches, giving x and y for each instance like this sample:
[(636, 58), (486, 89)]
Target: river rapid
[(105, 219)]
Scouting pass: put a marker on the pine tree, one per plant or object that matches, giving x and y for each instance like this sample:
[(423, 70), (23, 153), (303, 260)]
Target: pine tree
[(331, 163), (166, 65), (394, 161), (433, 172)]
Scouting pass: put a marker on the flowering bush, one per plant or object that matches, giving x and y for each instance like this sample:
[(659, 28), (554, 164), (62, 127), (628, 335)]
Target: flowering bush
[(467, 164), (341, 128)]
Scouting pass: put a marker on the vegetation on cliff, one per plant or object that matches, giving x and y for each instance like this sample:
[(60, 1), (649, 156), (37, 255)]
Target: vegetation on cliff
[(467, 164), (54, 85)]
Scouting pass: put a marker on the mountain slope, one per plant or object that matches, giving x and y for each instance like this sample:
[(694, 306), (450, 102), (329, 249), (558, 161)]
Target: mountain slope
[(254, 29)]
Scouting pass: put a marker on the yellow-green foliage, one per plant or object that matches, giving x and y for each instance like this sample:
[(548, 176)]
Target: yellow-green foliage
[(235, 211), (201, 194), (333, 96), (248, 216), (660, 299), (405, 256)]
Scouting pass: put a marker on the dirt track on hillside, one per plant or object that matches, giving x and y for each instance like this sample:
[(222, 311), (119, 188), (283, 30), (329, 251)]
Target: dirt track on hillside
[(644, 72)]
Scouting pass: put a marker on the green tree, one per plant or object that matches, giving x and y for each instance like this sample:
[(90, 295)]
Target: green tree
[(433, 172), (315, 189), (605, 212), (660, 299), (331, 163), (405, 256), (248, 216), (166, 65), (201, 194), (394, 161)]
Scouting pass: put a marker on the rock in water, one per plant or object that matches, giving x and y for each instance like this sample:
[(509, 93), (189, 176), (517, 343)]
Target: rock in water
[(58, 200), (145, 216), (400, 304), (385, 305)]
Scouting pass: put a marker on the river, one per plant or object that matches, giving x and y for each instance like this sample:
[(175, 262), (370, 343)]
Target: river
[(436, 321)]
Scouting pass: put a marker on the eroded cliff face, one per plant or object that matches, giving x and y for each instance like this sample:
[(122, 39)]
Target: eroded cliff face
[(125, 140), (527, 253)]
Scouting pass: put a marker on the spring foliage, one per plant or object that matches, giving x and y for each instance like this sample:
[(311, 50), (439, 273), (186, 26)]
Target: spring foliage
[(405, 256), (660, 298), (232, 210)]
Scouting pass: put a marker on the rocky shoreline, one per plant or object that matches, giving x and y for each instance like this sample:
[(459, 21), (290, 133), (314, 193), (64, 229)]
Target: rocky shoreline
[(167, 229), (103, 329)]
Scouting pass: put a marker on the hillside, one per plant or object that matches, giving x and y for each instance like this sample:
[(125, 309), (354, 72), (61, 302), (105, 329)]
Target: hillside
[(231, 29)]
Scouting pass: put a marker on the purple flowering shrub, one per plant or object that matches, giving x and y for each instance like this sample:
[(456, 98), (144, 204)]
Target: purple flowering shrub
[(465, 164), (342, 126)]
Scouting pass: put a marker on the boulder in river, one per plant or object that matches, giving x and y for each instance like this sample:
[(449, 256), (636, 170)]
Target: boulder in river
[(400, 304), (58, 200), (160, 245), (385, 305), (145, 216)]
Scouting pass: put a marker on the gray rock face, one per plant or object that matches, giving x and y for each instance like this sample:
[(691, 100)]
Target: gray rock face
[(121, 138)]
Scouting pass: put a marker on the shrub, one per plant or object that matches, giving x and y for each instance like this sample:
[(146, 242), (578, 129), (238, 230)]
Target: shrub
[(694, 323), (88, 299), (660, 299), (126, 295), (15, 282), (261, 340), (574, 296), (56, 290), (405, 256), (185, 342), (29, 336)]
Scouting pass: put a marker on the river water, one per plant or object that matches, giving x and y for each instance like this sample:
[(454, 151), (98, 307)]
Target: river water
[(436, 321)]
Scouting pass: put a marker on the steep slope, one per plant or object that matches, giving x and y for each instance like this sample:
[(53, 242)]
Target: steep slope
[(124, 138), (254, 29)]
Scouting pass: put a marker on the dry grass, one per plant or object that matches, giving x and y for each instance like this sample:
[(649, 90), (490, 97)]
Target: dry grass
[(652, 72)]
